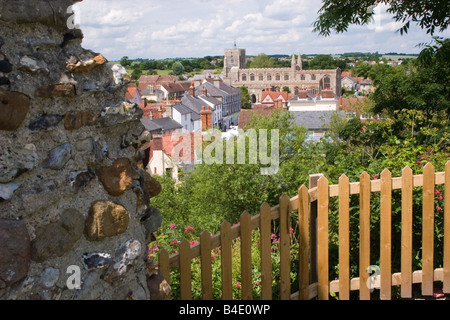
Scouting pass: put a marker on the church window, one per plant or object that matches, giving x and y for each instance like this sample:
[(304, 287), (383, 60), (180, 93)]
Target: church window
[(244, 77), (277, 77), (313, 77), (252, 77), (303, 77), (296, 91), (261, 77), (269, 77), (286, 77), (326, 82), (313, 90)]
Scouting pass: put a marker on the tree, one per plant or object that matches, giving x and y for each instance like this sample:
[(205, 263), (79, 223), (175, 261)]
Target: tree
[(430, 15), (263, 61), (177, 68), (321, 62), (125, 62), (245, 98), (286, 89)]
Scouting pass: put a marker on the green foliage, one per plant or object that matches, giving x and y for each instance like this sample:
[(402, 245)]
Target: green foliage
[(430, 15), (177, 68), (263, 61), (245, 98)]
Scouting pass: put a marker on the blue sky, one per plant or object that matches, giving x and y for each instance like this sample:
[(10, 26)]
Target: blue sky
[(197, 28)]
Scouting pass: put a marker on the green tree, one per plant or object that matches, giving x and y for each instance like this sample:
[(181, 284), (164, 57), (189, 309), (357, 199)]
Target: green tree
[(430, 15), (263, 61), (245, 98), (322, 61), (177, 68), (125, 62)]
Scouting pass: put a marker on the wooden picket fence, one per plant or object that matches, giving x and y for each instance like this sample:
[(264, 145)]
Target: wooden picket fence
[(312, 208)]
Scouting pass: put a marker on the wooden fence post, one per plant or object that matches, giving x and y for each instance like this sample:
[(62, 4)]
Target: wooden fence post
[(313, 179)]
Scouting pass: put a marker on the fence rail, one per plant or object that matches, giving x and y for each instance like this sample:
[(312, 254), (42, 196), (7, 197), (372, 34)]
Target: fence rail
[(312, 207)]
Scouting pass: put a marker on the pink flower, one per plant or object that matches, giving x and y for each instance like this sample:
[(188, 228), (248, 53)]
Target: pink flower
[(438, 208), (291, 230), (237, 285), (193, 243), (189, 229), (172, 226), (174, 241)]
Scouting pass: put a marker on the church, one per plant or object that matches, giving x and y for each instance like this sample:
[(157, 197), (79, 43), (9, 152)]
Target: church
[(257, 80)]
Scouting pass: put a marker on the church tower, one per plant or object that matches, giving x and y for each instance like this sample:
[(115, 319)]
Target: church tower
[(299, 62), (293, 63), (234, 60)]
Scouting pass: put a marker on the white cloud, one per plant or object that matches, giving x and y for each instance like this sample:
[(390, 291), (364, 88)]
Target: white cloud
[(196, 28)]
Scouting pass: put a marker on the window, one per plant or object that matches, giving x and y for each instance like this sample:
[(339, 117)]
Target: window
[(303, 77), (313, 77), (261, 77), (269, 77), (296, 91), (327, 82), (252, 77), (277, 77), (286, 77), (244, 77), (313, 90)]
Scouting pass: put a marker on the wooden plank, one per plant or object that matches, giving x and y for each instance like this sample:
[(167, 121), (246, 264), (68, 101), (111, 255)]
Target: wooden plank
[(344, 238), (226, 257), (285, 243), (313, 231), (266, 253), (185, 271), (205, 258), (385, 235), (428, 230), (322, 241), (396, 280), (304, 243), (364, 235), (246, 257), (163, 265), (406, 253), (446, 286)]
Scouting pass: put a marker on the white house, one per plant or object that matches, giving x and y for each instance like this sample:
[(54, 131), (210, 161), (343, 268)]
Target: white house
[(183, 115)]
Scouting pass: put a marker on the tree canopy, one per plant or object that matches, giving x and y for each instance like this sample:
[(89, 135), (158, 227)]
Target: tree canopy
[(430, 15)]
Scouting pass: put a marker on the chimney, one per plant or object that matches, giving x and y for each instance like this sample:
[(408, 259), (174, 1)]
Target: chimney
[(206, 116), (217, 82), (192, 89), (204, 91), (157, 143)]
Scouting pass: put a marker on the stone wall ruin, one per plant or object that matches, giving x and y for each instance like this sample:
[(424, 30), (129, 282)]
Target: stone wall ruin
[(72, 193)]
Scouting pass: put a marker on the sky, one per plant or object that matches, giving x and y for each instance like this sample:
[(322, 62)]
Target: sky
[(198, 28)]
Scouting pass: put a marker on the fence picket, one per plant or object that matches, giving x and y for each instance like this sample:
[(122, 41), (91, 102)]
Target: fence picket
[(226, 257), (364, 235), (205, 249), (446, 286), (428, 230), (304, 242), (266, 253), (406, 259), (344, 241), (285, 243), (322, 241), (185, 270), (163, 265), (385, 235), (246, 257)]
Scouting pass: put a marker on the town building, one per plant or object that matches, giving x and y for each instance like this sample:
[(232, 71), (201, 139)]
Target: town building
[(257, 80)]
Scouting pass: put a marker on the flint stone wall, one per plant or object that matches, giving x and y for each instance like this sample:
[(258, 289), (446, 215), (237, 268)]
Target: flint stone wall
[(71, 190)]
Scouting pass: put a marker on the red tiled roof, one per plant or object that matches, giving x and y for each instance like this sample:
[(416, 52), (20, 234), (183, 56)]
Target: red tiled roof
[(246, 114), (131, 91)]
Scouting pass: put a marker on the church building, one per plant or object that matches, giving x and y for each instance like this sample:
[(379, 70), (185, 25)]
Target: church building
[(257, 80)]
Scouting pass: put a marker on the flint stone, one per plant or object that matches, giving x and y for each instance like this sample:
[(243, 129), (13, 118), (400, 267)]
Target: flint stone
[(56, 90), (106, 219), (87, 66), (152, 220), (45, 122), (74, 120), (17, 161), (117, 178), (4, 81), (5, 66), (14, 251), (124, 259), (79, 180), (96, 260), (7, 190), (58, 157), (120, 75), (32, 65), (55, 239), (158, 287), (14, 108), (49, 277)]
